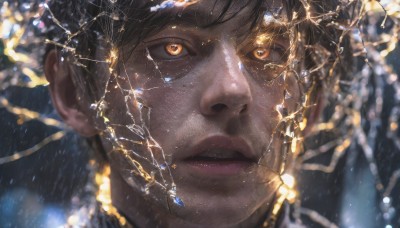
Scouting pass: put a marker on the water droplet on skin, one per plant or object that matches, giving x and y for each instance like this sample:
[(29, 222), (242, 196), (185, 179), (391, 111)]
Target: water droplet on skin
[(304, 73), (305, 76), (163, 166), (240, 65), (287, 95), (178, 201), (138, 91), (167, 79)]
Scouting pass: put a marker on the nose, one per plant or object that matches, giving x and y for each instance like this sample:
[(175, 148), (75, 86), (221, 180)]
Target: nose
[(227, 90)]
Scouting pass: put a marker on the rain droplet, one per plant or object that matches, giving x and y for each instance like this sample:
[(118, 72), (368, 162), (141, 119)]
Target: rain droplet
[(240, 65), (138, 91), (167, 79), (93, 106), (163, 166), (178, 201), (287, 95), (304, 73)]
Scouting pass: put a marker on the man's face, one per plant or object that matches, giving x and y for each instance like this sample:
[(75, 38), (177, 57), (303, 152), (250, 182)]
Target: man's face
[(199, 107)]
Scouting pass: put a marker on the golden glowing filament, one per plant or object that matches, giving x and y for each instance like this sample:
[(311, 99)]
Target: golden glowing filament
[(288, 180), (263, 39), (103, 195), (293, 147), (286, 192), (112, 59), (261, 53), (303, 124), (174, 49)]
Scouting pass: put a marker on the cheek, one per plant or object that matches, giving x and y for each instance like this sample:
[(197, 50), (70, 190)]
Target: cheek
[(270, 105), (278, 98), (123, 103), (170, 105), (266, 100)]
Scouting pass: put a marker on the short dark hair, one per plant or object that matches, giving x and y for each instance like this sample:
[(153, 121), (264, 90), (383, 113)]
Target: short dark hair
[(78, 24)]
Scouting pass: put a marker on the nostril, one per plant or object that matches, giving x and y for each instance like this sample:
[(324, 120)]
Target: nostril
[(219, 107)]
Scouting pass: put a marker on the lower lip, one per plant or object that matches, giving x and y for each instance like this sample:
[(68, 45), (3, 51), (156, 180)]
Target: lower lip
[(218, 168)]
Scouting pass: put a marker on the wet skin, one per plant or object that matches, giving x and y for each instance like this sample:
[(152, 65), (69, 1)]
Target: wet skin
[(210, 102), (210, 94)]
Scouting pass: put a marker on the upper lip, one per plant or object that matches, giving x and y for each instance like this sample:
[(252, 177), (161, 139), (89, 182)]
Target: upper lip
[(224, 144)]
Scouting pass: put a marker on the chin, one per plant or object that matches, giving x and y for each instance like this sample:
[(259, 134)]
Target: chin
[(219, 216), (223, 210)]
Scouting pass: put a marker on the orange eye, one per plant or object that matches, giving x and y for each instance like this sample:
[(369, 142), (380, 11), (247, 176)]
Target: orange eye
[(174, 49), (261, 53)]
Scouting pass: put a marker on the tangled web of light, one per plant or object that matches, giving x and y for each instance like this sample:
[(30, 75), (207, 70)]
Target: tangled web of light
[(371, 31)]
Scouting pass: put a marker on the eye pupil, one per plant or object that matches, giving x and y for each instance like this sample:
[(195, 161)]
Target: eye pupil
[(261, 53), (174, 49)]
